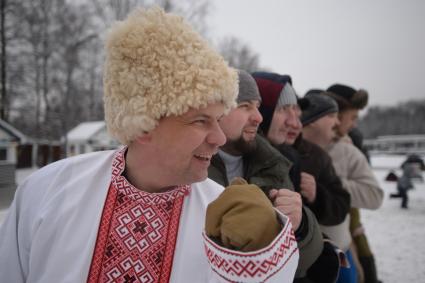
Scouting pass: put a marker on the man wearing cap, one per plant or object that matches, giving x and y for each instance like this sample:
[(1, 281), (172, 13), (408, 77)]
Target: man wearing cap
[(320, 187), (329, 201), (354, 170), (319, 120), (280, 106), (138, 214), (246, 154), (321, 190)]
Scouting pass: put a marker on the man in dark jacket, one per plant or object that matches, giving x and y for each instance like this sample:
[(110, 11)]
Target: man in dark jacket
[(320, 187), (250, 156), (332, 201), (319, 120), (322, 191)]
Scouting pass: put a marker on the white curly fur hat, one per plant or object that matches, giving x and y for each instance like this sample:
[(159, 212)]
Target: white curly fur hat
[(156, 66)]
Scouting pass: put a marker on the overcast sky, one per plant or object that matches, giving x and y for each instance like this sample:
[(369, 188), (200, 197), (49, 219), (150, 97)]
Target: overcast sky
[(378, 45)]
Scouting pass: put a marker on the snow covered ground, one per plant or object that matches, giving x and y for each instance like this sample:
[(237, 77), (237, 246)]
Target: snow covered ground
[(396, 236)]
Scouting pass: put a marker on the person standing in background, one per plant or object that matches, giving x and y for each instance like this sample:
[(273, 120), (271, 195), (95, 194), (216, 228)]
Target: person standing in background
[(355, 172)]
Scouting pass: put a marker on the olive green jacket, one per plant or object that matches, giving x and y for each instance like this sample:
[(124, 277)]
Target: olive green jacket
[(269, 169)]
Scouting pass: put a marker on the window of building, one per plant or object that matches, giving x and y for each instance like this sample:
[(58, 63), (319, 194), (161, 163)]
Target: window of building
[(3, 153)]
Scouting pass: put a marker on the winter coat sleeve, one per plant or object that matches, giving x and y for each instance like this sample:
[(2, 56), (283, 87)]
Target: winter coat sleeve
[(332, 202), (310, 243), (356, 176)]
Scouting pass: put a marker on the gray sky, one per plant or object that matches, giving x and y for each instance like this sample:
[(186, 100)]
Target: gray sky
[(378, 45)]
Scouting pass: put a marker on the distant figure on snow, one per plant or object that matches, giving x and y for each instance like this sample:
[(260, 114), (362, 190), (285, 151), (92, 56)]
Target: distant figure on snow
[(412, 169)]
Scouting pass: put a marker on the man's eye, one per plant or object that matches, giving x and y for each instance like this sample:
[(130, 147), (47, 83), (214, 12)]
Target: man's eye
[(283, 109)]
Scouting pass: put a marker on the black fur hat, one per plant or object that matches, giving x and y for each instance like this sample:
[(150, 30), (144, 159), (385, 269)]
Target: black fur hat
[(347, 97)]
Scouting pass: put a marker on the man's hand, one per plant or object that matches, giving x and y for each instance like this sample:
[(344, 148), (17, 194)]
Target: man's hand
[(289, 203), (242, 218), (308, 187)]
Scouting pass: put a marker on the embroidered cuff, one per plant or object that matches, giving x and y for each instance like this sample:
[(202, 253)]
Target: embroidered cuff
[(278, 260)]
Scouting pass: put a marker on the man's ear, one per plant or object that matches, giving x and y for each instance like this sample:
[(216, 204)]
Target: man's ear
[(144, 138)]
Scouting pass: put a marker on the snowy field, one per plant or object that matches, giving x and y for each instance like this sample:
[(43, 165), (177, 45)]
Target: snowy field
[(396, 236)]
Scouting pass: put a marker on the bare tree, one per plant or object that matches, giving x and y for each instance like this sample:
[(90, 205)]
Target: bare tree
[(405, 118), (56, 54), (195, 11), (239, 55), (33, 50), (3, 95), (49, 34)]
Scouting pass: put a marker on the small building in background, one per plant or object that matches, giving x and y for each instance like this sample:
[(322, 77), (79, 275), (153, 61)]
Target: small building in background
[(10, 138), (89, 137)]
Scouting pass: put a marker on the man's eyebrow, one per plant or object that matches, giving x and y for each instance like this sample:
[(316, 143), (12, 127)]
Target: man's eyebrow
[(205, 116), (251, 102), (199, 115)]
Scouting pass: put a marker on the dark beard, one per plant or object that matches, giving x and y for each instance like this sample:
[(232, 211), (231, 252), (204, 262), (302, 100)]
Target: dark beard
[(239, 146)]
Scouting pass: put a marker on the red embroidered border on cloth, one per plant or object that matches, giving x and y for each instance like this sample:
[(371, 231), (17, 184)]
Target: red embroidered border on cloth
[(255, 266), (137, 232)]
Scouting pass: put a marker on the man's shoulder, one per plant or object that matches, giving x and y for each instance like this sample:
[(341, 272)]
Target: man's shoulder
[(347, 147), (265, 152), (65, 170), (86, 160), (313, 151), (263, 144), (208, 188), (346, 152), (65, 179), (319, 152)]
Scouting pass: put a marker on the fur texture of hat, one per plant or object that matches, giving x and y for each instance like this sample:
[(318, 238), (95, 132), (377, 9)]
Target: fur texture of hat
[(347, 97), (157, 66)]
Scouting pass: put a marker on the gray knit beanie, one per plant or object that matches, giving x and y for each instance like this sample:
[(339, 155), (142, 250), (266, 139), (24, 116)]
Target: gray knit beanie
[(319, 106), (248, 89)]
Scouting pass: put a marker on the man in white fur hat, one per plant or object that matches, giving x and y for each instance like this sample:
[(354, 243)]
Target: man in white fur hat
[(147, 212)]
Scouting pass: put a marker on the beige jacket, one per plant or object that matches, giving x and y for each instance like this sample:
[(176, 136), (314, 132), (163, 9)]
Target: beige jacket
[(357, 178), (356, 175)]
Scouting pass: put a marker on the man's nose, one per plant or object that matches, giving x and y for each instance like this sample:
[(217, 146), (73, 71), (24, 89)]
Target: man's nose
[(216, 137), (292, 120), (256, 116)]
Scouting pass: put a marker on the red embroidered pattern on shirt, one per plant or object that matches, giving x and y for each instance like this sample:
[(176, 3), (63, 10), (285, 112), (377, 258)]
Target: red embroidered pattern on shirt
[(138, 232), (247, 265)]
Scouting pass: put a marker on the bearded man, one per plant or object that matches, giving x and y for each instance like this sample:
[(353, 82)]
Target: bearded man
[(248, 155)]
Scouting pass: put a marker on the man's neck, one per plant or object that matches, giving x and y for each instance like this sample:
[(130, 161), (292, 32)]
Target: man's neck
[(314, 138), (230, 149), (149, 181)]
